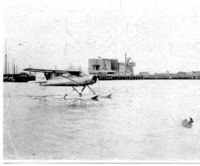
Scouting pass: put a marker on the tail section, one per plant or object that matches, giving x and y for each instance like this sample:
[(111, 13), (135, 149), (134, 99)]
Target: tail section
[(40, 78)]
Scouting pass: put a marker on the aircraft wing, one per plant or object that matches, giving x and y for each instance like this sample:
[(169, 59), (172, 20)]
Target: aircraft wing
[(72, 72)]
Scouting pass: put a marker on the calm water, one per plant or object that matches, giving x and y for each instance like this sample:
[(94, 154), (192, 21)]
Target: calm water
[(142, 121)]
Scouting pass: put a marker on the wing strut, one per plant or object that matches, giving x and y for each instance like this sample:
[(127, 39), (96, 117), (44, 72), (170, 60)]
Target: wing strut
[(71, 79)]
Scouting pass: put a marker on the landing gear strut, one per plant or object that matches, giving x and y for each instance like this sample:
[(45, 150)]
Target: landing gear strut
[(80, 93), (91, 90)]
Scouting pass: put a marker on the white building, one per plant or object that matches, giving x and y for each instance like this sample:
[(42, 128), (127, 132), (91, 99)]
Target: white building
[(111, 66)]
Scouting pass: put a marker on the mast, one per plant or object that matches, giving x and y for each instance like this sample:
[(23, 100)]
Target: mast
[(6, 63), (125, 64), (16, 69), (14, 66), (29, 71), (8, 69)]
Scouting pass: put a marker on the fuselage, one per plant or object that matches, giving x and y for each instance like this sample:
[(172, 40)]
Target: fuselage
[(70, 81)]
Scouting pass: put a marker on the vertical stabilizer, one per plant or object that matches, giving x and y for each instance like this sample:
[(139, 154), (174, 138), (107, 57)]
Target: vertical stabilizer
[(40, 77)]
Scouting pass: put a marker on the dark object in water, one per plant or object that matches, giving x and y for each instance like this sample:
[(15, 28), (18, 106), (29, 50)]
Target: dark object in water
[(187, 123), (191, 121)]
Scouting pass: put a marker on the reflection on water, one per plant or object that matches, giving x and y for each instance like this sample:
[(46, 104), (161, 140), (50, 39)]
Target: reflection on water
[(142, 121)]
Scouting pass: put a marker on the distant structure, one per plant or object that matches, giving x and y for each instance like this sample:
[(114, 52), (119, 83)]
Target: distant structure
[(102, 66)]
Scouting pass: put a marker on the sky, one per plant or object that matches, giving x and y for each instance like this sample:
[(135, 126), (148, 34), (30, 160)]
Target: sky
[(159, 35)]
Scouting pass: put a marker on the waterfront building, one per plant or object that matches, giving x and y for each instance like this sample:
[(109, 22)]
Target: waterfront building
[(162, 75), (144, 73), (181, 74), (102, 66), (194, 74)]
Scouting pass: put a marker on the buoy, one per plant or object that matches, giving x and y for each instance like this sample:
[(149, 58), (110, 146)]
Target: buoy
[(187, 123)]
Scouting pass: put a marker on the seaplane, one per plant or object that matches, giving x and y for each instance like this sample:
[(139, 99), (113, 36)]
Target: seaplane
[(69, 78)]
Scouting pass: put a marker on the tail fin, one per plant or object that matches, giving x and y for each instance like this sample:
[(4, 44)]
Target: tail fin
[(40, 77)]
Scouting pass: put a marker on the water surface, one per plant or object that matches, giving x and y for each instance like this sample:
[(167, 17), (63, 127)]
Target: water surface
[(142, 121)]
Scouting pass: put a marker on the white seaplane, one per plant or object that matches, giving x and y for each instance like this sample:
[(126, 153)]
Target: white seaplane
[(70, 78)]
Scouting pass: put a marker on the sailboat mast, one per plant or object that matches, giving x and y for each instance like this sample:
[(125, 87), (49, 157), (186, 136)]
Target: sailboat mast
[(6, 62)]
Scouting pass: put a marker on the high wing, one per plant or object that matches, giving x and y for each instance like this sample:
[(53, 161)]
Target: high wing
[(71, 72)]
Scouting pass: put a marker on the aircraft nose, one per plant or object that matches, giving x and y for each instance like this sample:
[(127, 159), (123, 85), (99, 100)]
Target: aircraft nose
[(94, 78)]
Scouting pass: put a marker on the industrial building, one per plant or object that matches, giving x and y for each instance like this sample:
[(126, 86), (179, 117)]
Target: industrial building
[(101, 66)]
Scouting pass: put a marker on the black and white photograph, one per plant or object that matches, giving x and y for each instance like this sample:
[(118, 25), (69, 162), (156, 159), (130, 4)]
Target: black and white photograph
[(101, 81)]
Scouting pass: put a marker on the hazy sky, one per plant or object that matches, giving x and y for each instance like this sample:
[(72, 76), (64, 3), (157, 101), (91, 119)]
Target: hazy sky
[(159, 35)]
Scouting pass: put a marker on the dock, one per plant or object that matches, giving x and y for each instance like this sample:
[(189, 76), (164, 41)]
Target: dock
[(138, 77)]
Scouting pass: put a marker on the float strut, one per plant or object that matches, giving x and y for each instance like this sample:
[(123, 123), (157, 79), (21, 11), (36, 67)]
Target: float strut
[(91, 90), (80, 94), (83, 89)]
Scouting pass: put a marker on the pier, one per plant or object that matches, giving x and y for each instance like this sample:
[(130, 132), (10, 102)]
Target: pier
[(120, 77), (138, 77)]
